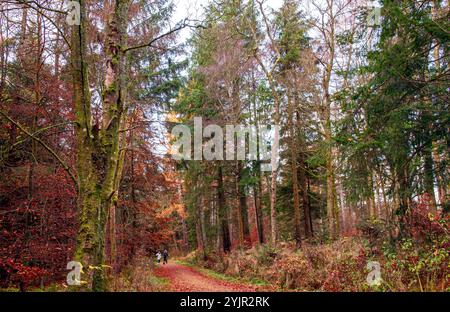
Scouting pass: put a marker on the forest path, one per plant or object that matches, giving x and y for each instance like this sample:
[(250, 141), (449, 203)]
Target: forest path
[(184, 278)]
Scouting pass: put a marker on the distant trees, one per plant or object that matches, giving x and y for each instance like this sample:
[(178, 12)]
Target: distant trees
[(403, 111), (325, 79)]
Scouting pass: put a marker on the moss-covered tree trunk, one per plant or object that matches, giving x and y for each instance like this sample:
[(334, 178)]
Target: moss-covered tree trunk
[(88, 201), (97, 148), (113, 112)]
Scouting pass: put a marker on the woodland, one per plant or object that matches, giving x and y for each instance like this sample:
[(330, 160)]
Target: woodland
[(358, 201)]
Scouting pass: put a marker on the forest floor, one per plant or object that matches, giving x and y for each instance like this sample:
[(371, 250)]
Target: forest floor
[(185, 278)]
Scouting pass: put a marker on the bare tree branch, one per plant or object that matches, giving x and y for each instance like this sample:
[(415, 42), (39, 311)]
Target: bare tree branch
[(48, 148), (181, 25)]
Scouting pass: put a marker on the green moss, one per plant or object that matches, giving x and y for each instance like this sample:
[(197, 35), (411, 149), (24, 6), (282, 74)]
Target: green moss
[(115, 59), (111, 89), (54, 287), (157, 281), (9, 289)]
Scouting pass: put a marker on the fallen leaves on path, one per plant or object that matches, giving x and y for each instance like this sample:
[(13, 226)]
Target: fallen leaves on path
[(184, 278)]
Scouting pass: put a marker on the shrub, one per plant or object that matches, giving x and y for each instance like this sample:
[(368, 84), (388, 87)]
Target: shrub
[(17, 274)]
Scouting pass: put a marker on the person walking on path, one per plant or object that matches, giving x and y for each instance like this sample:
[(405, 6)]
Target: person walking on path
[(158, 257), (165, 256)]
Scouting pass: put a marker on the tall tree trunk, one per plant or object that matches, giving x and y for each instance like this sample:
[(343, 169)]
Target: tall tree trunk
[(429, 175), (387, 212), (257, 189), (134, 201), (273, 200), (88, 200), (239, 207), (242, 213), (329, 159), (330, 195), (432, 157), (403, 199), (202, 220), (295, 190), (258, 212), (244, 209), (332, 209), (223, 215), (371, 198), (97, 149), (303, 180), (439, 179), (185, 235), (200, 227), (114, 207)]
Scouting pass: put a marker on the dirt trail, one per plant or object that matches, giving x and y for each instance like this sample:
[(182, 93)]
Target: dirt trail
[(184, 278)]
